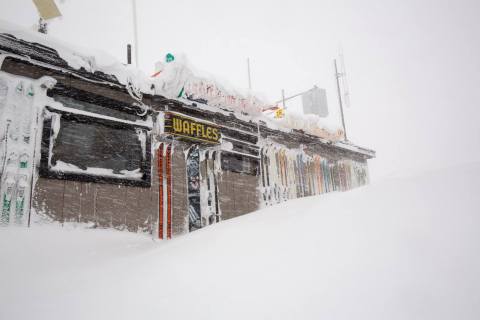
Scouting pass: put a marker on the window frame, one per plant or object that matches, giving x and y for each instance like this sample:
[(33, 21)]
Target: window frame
[(253, 161), (47, 133)]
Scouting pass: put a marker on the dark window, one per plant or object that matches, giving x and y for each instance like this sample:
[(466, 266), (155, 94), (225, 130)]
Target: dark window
[(243, 147), (94, 149), (95, 145), (238, 163), (227, 132)]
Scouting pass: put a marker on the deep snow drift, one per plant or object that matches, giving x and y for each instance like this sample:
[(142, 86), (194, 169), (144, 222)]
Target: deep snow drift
[(400, 249)]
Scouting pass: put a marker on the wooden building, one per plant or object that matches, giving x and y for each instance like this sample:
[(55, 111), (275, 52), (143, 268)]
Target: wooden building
[(93, 152)]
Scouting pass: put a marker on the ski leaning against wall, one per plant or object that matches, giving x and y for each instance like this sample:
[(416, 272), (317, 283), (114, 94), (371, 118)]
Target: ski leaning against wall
[(21, 103), (293, 173)]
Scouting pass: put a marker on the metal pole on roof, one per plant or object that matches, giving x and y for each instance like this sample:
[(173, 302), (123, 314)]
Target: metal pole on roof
[(129, 53), (249, 78), (337, 76), (294, 96), (135, 30)]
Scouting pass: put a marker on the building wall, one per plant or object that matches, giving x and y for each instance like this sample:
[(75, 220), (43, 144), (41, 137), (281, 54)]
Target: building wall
[(179, 190), (116, 206), (137, 208), (238, 194), (103, 205)]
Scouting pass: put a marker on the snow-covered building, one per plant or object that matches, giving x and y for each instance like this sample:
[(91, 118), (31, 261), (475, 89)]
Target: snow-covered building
[(103, 146)]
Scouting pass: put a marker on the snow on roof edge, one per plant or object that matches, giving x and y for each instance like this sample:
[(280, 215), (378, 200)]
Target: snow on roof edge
[(92, 60)]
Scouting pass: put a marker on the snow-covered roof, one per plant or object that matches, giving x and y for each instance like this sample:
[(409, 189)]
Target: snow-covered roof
[(172, 79)]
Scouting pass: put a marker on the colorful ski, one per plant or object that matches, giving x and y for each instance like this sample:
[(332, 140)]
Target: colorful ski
[(169, 190), (7, 197), (20, 198), (160, 191)]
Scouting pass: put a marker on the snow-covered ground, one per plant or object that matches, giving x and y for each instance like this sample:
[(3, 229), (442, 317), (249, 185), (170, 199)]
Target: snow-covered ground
[(405, 248)]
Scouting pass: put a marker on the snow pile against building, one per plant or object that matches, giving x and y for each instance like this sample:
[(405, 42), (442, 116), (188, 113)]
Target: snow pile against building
[(312, 124), (177, 78), (80, 58), (405, 248)]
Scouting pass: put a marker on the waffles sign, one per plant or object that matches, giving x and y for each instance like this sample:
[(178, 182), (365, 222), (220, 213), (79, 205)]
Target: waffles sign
[(190, 129)]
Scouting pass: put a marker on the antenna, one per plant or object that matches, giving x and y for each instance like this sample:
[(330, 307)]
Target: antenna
[(337, 77), (343, 81), (135, 31), (249, 78)]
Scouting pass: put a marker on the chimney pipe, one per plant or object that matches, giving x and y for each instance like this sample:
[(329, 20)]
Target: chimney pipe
[(129, 54)]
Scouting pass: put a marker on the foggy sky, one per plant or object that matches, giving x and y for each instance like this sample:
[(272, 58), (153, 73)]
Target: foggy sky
[(413, 66)]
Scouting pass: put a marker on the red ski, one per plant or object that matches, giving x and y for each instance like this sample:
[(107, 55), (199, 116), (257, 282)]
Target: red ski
[(160, 191)]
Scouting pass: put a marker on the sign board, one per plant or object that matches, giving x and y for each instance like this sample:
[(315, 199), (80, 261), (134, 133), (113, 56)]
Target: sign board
[(191, 129), (315, 102), (47, 9), (279, 113)]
